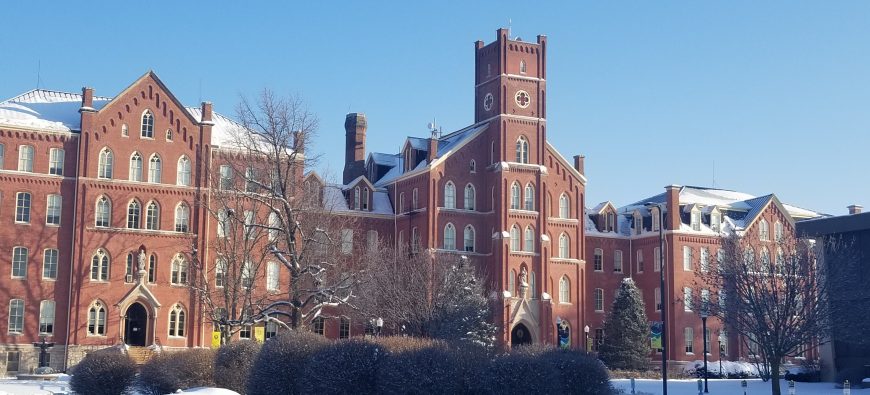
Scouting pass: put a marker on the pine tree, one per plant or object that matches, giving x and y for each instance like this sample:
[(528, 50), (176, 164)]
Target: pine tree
[(465, 313), (626, 342)]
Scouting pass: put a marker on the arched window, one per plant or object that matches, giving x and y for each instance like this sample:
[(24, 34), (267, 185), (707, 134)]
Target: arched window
[(468, 239), (469, 197), (152, 216), (533, 285), (365, 198), (100, 266), (515, 238), (515, 196), (105, 164), (522, 66), (274, 226), (449, 237), (169, 135), (415, 239), (512, 282), (449, 195), (147, 125), (176, 321), (765, 260), (125, 131), (103, 214), (356, 198), (492, 152), (97, 319), (134, 213), (178, 275), (564, 245), (564, 290), (777, 231), (529, 198), (182, 218), (152, 269), (472, 166), (414, 196), (564, 207), (135, 167), (780, 261), (401, 202), (223, 223), (763, 230), (529, 240), (749, 259), (183, 173), (46, 317), (155, 169), (522, 150), (130, 268), (599, 299)]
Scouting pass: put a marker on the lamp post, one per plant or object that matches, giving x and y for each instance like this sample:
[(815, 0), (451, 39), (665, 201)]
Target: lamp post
[(379, 324), (664, 316), (704, 331), (721, 340), (586, 341)]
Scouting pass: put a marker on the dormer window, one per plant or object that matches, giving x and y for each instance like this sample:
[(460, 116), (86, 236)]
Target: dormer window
[(611, 222), (365, 199), (696, 218), (522, 67), (638, 223), (656, 225), (356, 198), (715, 220)]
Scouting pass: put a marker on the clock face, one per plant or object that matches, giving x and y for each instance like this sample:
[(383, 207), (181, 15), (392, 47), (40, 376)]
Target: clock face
[(487, 102), (523, 99)]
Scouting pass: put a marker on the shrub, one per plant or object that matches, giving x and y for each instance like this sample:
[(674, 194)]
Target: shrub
[(233, 363), (348, 366), (579, 372), (428, 370), (523, 370), (169, 372), (103, 373), (854, 374), (473, 362), (281, 361), (401, 344)]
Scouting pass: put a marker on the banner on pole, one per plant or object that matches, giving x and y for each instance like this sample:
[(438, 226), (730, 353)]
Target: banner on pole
[(215, 339), (655, 335)]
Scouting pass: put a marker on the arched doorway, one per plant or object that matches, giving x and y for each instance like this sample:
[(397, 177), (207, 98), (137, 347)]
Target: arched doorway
[(136, 325), (520, 335)]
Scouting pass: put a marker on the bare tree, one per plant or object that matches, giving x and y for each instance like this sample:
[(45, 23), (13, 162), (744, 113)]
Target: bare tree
[(267, 212), (426, 294), (773, 296)]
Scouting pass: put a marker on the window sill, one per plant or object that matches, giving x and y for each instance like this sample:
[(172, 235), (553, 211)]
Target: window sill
[(690, 353), (15, 333), (19, 278), (53, 225), (22, 223), (95, 335), (49, 279)]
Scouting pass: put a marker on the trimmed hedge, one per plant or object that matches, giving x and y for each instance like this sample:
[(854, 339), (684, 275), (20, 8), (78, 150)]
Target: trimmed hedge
[(429, 370), (169, 372), (280, 362), (233, 363), (103, 373), (344, 367)]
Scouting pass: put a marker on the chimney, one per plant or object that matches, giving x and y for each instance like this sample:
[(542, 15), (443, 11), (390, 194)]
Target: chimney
[(355, 125), (855, 208), (672, 197), (87, 99), (433, 148), (206, 108), (578, 163)]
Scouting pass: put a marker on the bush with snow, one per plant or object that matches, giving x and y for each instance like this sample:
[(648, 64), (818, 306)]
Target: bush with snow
[(429, 369), (169, 372), (343, 367), (279, 364), (233, 363), (730, 369), (103, 373)]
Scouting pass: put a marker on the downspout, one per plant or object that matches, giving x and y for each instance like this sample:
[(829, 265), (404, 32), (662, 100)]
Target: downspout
[(69, 311)]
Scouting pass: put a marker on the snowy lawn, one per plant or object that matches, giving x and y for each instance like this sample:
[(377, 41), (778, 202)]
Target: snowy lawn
[(11, 386), (729, 387)]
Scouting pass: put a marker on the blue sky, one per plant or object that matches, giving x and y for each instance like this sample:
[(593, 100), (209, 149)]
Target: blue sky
[(653, 93)]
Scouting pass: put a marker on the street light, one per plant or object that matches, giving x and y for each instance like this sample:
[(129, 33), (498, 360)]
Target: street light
[(664, 316), (721, 340), (704, 329), (586, 331), (379, 324)]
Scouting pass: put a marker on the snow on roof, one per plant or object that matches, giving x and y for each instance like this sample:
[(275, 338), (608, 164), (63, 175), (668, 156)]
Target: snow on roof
[(334, 200), (224, 128), (419, 143), (600, 206), (383, 159), (46, 109), (447, 143)]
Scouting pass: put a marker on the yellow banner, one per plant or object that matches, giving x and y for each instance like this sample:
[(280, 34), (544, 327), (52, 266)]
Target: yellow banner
[(260, 333), (215, 339)]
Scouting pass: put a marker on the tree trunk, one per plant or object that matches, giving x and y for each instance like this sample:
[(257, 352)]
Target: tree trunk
[(774, 377)]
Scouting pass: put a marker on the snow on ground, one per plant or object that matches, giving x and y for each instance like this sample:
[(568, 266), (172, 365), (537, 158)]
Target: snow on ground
[(729, 387), (11, 386)]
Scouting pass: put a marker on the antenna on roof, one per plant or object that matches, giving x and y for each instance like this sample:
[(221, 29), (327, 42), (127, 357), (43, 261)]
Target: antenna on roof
[(433, 128), (38, 72)]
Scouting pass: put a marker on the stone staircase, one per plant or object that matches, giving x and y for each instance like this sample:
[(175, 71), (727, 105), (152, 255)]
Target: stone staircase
[(140, 355)]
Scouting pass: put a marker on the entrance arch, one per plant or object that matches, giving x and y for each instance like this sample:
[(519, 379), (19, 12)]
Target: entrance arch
[(136, 325), (520, 335)]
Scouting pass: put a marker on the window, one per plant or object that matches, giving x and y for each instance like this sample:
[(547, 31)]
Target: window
[(273, 272), (449, 195), (532, 286), (135, 167), (248, 274), (515, 238), (656, 226), (2, 155), (472, 166), (176, 321), (415, 240), (512, 288), (715, 220), (564, 246), (169, 135), (52, 210), (46, 317), (226, 178), (617, 261), (220, 272), (155, 169), (599, 299), (125, 131), (245, 332), (134, 212), (763, 230), (55, 161), (705, 301), (356, 198), (522, 150), (777, 227), (105, 164), (152, 269), (598, 339), (16, 316), (401, 202), (696, 219), (344, 328), (468, 239), (147, 125), (152, 216), (780, 261), (414, 199), (182, 176), (365, 199), (687, 299), (19, 262), (722, 305), (13, 361), (318, 326), (529, 198), (522, 67), (749, 259), (469, 197), (103, 215), (658, 299), (449, 237), (705, 260), (25, 158), (223, 223), (687, 258), (271, 330), (598, 260), (723, 343), (22, 207), (131, 264), (564, 207), (182, 218), (640, 261), (100, 266), (529, 240), (346, 241), (49, 264), (657, 259), (274, 226), (178, 275), (690, 340), (564, 290), (765, 260), (515, 196)]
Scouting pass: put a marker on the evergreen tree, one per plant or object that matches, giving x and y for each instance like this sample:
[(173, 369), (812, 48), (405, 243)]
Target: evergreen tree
[(626, 342), (465, 314)]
